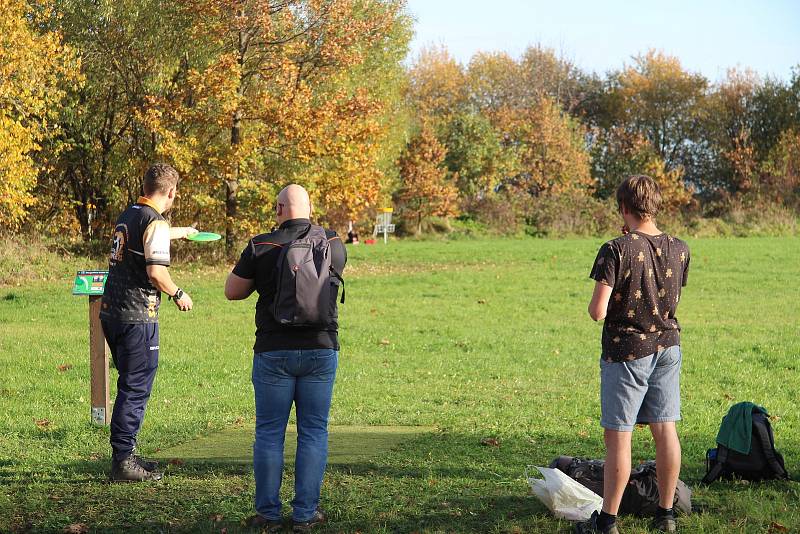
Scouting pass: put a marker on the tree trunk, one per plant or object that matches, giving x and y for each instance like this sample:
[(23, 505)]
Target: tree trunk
[(232, 183)]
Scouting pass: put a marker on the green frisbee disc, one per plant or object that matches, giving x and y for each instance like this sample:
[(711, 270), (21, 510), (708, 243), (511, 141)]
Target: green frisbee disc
[(204, 236)]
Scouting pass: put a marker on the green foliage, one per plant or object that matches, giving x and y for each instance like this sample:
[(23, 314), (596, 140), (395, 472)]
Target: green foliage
[(475, 155)]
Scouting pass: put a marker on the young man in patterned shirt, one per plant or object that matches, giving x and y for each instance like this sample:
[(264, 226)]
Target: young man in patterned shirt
[(639, 277)]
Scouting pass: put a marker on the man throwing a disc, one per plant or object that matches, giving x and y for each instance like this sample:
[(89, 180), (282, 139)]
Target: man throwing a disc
[(296, 271), (137, 274)]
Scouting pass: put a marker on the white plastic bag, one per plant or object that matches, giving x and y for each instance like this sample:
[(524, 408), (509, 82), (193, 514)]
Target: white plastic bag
[(565, 497)]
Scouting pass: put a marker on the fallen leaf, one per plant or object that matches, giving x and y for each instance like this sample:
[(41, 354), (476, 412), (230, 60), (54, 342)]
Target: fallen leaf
[(76, 528), (384, 341), (176, 461), (481, 301), (64, 367), (727, 396), (774, 418), (777, 527), (490, 442), (42, 423), (239, 421)]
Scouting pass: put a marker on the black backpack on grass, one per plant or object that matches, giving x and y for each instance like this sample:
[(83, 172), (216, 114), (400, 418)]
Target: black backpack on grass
[(307, 285), (763, 462), (641, 494)]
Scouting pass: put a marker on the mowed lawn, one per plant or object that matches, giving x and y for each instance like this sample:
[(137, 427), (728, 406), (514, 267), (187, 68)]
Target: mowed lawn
[(472, 339)]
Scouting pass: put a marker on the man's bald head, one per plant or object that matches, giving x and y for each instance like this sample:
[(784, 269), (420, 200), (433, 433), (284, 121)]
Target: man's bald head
[(293, 203)]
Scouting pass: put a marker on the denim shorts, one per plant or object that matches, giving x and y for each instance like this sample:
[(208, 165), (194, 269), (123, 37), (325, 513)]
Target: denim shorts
[(646, 390)]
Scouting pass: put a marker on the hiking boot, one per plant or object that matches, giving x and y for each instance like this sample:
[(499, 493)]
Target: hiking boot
[(666, 523), (590, 526), (318, 518), (265, 525), (149, 465), (129, 470)]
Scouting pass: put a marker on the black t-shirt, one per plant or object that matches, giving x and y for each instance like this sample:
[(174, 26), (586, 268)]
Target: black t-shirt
[(647, 273), (258, 262), (141, 238)]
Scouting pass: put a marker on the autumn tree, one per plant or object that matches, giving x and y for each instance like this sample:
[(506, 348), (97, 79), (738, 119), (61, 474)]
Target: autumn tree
[(546, 73), (617, 154), (496, 83), (128, 49), (476, 157), (659, 100), (34, 67), (274, 98), (731, 163), (779, 180), (436, 85), (550, 150), (776, 109), (425, 190)]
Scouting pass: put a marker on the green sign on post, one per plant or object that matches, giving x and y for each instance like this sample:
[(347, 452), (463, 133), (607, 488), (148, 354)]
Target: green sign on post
[(89, 283), (92, 284)]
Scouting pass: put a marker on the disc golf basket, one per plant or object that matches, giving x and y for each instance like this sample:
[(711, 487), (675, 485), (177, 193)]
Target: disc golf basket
[(383, 224)]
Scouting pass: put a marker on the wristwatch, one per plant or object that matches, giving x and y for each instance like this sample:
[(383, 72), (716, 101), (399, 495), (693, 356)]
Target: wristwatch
[(178, 295)]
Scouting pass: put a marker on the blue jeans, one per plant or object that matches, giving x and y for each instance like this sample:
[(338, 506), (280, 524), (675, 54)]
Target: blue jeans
[(281, 377)]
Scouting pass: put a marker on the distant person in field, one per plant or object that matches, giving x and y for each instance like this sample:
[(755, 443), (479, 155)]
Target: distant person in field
[(638, 286), (137, 274), (296, 271)]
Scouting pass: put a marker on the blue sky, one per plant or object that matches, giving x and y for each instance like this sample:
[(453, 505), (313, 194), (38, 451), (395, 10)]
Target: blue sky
[(708, 36)]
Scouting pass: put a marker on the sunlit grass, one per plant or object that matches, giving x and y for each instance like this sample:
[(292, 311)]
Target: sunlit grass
[(470, 338)]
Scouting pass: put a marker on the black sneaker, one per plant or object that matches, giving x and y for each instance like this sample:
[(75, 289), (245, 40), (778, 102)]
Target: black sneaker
[(590, 526), (265, 525), (666, 523), (129, 470), (318, 518)]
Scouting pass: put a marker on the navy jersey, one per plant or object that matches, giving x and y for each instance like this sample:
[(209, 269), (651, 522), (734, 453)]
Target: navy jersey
[(141, 238)]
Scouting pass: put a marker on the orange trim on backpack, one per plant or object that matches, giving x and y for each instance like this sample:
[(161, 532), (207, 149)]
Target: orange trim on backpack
[(334, 237), (268, 243)]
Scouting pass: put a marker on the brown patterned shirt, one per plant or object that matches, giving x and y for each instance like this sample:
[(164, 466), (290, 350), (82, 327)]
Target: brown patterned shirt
[(647, 273)]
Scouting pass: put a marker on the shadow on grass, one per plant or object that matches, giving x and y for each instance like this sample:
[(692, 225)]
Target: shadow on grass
[(420, 481)]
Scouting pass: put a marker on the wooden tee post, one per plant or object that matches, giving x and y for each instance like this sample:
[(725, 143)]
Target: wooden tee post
[(98, 364)]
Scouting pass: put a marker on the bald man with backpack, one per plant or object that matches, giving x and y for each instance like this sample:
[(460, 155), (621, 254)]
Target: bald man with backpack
[(296, 271)]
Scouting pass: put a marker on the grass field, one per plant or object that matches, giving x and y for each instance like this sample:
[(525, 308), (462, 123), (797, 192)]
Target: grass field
[(470, 339)]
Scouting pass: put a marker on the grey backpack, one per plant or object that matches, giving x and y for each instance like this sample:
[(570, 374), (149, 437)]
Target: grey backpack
[(306, 288)]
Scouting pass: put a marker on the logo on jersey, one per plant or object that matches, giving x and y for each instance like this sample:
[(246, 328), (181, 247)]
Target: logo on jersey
[(152, 305), (118, 243)]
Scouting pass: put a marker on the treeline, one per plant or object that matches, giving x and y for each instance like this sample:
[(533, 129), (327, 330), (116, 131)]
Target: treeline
[(539, 143), (244, 96)]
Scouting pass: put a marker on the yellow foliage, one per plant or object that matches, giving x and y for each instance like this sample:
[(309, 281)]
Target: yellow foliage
[(425, 189), (31, 65), (550, 151)]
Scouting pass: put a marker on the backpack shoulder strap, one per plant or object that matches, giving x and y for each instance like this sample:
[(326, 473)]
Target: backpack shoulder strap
[(338, 277), (768, 446), (714, 473)]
